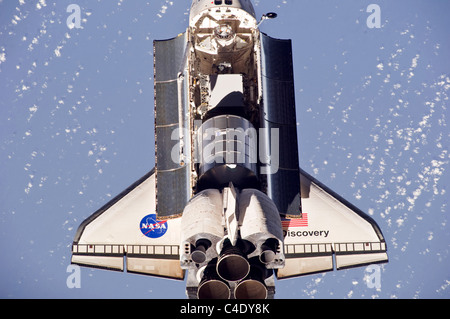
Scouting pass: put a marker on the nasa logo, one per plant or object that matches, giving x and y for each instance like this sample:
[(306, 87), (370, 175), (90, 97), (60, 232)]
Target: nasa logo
[(152, 228)]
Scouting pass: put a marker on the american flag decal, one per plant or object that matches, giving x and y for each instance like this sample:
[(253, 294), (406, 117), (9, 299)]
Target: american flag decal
[(298, 222)]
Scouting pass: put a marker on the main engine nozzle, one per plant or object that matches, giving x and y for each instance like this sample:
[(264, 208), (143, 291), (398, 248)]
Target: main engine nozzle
[(253, 287), (212, 286), (232, 264)]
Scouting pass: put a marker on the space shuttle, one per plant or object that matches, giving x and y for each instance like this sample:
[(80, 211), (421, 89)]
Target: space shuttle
[(227, 208)]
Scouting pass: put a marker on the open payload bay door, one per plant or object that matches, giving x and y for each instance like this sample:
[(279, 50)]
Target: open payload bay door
[(127, 232), (329, 225), (172, 144), (278, 117)]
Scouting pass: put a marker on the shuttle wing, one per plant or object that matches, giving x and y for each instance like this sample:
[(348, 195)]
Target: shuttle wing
[(329, 225), (125, 234)]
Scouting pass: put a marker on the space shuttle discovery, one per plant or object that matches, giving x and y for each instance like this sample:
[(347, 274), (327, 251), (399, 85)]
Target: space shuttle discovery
[(227, 207)]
